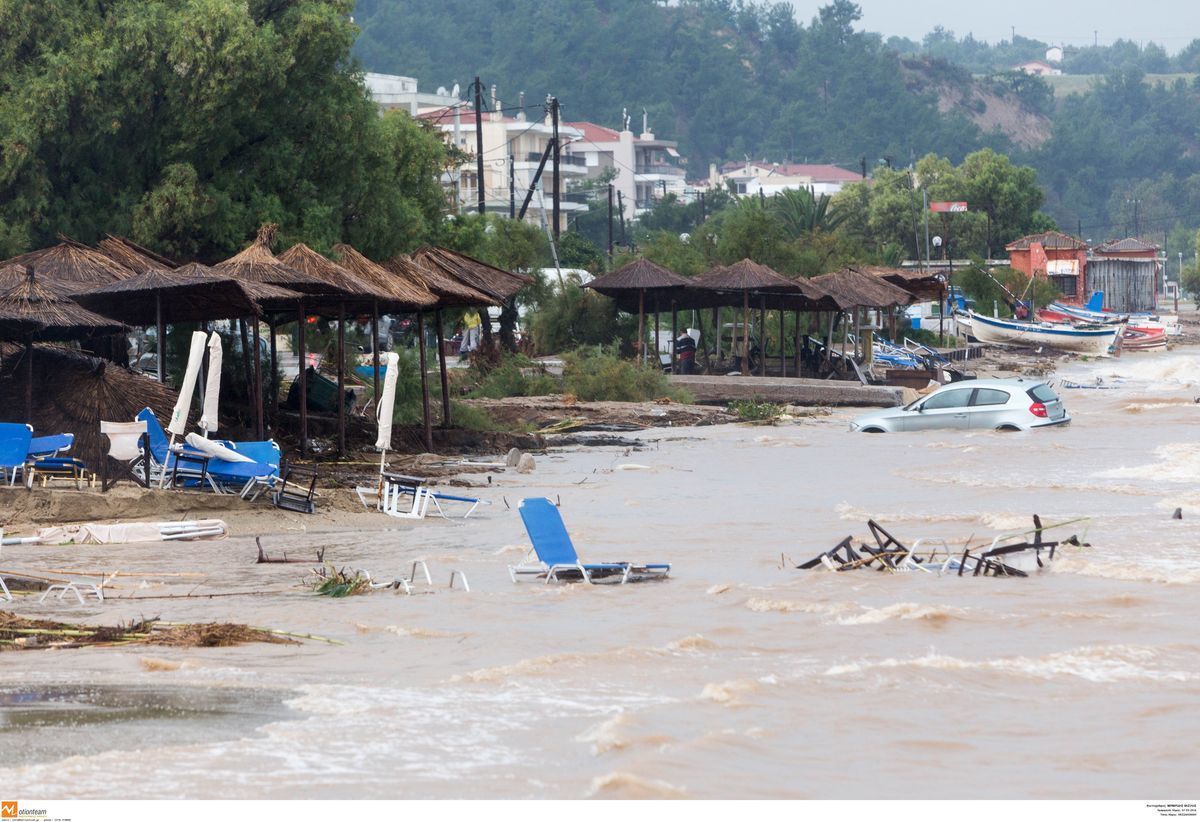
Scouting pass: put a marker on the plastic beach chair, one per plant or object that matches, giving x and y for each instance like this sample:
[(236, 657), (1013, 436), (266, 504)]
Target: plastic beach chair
[(14, 449), (248, 479), (557, 559)]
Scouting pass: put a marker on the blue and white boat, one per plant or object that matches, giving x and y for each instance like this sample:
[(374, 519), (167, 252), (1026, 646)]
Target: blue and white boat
[(1094, 341)]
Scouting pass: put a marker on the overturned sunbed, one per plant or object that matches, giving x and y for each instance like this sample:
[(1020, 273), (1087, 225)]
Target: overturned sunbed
[(1008, 555)]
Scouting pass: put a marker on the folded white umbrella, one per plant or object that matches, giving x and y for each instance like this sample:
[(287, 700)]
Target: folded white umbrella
[(387, 401), (179, 417), (212, 386), (214, 449)]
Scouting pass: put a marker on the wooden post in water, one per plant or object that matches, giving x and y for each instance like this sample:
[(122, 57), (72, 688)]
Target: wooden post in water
[(341, 380), (441, 344), (424, 384)]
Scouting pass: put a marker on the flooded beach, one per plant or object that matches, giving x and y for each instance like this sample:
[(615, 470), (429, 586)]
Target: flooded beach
[(738, 677)]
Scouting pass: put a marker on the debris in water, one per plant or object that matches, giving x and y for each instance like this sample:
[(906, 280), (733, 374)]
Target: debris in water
[(20, 634)]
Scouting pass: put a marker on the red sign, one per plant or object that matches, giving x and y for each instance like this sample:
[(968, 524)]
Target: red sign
[(953, 208)]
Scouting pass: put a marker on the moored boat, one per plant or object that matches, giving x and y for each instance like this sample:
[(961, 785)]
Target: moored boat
[(1096, 341)]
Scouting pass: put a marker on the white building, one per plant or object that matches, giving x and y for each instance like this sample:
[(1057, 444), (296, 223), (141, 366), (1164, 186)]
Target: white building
[(1037, 68), (752, 178), (512, 149), (647, 168), (1054, 54), (391, 91)]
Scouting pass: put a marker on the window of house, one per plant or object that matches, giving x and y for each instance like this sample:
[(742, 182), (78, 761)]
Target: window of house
[(1066, 283)]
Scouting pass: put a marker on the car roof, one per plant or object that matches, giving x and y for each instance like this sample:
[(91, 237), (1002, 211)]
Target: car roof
[(1014, 383)]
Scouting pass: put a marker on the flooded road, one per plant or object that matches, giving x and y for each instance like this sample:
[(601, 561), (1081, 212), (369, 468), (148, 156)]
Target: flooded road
[(738, 677)]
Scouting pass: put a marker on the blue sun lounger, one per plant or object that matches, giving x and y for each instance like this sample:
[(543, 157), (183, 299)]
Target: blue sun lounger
[(14, 449), (557, 560)]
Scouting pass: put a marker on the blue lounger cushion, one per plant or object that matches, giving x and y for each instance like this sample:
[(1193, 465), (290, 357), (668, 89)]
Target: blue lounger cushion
[(553, 546)]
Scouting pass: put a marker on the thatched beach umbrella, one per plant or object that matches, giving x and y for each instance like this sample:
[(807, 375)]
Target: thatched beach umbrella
[(191, 293), (70, 267), (496, 282), (405, 293), (76, 392), (56, 319), (745, 276), (637, 278), (131, 255), (257, 264)]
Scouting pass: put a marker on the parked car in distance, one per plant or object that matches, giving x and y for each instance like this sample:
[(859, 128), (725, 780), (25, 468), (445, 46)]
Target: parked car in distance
[(1000, 405)]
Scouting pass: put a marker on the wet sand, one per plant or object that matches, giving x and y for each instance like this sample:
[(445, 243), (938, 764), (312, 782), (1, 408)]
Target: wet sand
[(737, 677)]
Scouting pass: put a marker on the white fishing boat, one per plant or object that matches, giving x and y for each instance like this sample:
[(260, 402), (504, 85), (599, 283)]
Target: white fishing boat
[(1097, 342)]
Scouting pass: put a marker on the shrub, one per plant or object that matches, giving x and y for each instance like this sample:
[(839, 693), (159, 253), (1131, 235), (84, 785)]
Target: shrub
[(599, 374), (570, 316), (754, 410), (515, 376)]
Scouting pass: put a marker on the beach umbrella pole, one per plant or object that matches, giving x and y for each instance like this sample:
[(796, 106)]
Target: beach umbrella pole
[(641, 323), (424, 384), (745, 333), (161, 329), (29, 381), (674, 333), (274, 387), (375, 347), (657, 344), (341, 380), (782, 353), (303, 381), (442, 367), (762, 330), (258, 398)]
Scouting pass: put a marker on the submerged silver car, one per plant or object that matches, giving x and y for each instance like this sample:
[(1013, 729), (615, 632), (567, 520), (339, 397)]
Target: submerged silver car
[(1002, 405)]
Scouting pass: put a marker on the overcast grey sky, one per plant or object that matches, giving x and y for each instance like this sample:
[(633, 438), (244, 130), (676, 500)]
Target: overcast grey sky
[(1170, 23)]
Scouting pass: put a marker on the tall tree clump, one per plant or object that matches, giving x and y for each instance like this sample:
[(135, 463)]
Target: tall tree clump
[(186, 123)]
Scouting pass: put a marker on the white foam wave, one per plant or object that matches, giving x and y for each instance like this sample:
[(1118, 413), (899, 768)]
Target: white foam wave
[(903, 610), (1099, 664), (1174, 462)]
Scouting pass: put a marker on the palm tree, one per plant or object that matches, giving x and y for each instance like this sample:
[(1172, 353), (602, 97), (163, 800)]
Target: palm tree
[(803, 212)]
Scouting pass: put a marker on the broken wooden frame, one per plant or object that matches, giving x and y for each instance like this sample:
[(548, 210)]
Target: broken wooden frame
[(934, 555)]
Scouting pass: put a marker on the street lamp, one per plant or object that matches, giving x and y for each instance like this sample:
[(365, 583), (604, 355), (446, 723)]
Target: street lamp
[(937, 243)]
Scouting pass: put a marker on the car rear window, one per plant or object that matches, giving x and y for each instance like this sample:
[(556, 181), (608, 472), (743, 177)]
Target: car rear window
[(1043, 393), (991, 396)]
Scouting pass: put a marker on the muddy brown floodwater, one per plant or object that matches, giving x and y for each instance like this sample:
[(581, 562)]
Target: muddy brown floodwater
[(735, 678)]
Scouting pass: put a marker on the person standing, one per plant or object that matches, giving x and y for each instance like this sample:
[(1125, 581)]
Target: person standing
[(685, 353), (471, 330)]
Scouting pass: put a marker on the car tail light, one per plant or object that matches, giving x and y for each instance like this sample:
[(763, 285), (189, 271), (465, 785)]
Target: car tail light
[(1038, 410)]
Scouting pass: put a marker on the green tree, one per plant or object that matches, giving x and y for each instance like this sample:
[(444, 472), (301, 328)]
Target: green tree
[(186, 123)]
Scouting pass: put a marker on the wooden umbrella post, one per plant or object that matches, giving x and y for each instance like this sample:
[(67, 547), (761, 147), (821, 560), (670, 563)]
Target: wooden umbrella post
[(762, 329), (375, 348), (441, 343), (641, 345), (258, 398), (29, 380), (161, 331), (274, 381), (798, 339), (782, 352), (657, 343), (303, 377), (424, 383), (716, 319), (674, 333), (341, 379), (745, 332)]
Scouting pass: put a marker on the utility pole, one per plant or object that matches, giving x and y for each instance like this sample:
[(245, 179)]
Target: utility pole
[(621, 209), (555, 169), (537, 175), (512, 189), (863, 162), (610, 233), (703, 215), (479, 145), (925, 203)]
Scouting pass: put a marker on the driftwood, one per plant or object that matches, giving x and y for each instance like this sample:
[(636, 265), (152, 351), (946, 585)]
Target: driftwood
[(263, 558)]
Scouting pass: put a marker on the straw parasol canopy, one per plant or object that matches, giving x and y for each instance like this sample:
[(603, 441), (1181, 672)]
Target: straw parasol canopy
[(402, 293), (921, 284), (501, 285), (75, 392), (854, 289), (256, 264), (629, 284), (131, 255), (449, 291), (55, 318), (72, 267), (192, 293), (304, 259)]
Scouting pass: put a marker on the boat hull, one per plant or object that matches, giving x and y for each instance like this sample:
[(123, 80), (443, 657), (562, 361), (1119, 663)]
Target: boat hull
[(1096, 342)]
